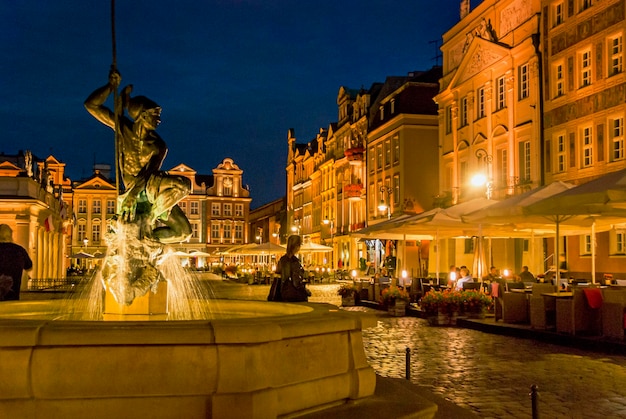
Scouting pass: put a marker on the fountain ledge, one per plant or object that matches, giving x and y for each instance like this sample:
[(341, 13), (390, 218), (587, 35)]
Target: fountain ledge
[(293, 359)]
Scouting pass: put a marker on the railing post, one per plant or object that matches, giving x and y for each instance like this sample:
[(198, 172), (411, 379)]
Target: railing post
[(408, 363), (533, 397)]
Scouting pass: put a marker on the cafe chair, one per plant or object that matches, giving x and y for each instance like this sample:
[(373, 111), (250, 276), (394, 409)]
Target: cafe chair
[(614, 314), (582, 313), (541, 313)]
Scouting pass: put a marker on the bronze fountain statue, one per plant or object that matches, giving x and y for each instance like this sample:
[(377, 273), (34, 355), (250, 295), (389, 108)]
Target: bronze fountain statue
[(148, 216)]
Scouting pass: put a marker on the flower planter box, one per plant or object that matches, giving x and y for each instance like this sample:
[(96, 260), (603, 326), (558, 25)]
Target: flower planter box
[(398, 309), (347, 301)]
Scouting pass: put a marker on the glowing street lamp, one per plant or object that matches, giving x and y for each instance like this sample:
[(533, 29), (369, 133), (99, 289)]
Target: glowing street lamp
[(382, 206)]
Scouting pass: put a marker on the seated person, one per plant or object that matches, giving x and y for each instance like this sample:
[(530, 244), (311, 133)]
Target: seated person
[(465, 277), (526, 276)]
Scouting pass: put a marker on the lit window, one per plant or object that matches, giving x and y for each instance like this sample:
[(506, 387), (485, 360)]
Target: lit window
[(587, 147), (585, 4), (238, 210), (616, 55), (215, 231), (227, 232), (379, 157), (387, 153), (480, 103), (82, 206), (396, 149), (215, 209), (194, 230), (616, 133), (524, 90), (558, 13), (195, 205), (560, 152), (396, 190), (372, 163), (110, 206), (238, 232), (464, 118), (503, 161), (524, 170), (559, 81), (501, 89), (95, 233), (585, 245), (82, 229), (228, 210), (617, 242), (585, 68)]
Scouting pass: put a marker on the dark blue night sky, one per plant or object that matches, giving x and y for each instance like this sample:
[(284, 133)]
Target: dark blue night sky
[(232, 76)]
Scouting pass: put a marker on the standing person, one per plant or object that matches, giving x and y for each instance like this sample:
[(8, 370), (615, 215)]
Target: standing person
[(290, 285), (13, 261)]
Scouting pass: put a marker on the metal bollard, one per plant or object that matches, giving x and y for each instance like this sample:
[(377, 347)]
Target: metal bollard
[(534, 395), (408, 363)]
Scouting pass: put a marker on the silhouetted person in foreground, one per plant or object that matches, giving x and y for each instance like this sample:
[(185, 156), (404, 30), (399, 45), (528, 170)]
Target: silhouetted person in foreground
[(14, 260)]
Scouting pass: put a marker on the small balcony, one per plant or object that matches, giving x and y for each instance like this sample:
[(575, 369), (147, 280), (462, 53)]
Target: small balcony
[(353, 190), (354, 154)]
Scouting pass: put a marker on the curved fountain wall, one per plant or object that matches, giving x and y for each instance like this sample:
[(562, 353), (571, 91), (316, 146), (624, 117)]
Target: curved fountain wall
[(268, 360)]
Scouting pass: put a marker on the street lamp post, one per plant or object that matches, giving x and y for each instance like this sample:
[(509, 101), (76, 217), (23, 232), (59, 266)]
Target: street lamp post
[(484, 179), (382, 206), (331, 224)]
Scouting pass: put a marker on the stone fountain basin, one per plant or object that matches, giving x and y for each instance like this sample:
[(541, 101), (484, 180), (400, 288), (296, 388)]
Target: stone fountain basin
[(254, 360)]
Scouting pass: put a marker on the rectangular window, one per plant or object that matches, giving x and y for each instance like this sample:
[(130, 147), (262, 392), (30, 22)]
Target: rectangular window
[(559, 80), (396, 149), (228, 210), (195, 208), (95, 233), (228, 190), (585, 245), (382, 112), (524, 89), (110, 206), (587, 147), (616, 55), (82, 206), (463, 113), (620, 242), (480, 103), (215, 209), (227, 232), (372, 155), (524, 168), (448, 119), (396, 190), (616, 127), (238, 210), (561, 158), (215, 231), (585, 68), (82, 228), (387, 153), (194, 230), (183, 206), (96, 206), (585, 4), (503, 157), (501, 93), (393, 106), (238, 232), (557, 13), (379, 157)]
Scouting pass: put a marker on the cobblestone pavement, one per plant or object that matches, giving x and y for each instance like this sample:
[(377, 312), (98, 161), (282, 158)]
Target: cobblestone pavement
[(489, 374)]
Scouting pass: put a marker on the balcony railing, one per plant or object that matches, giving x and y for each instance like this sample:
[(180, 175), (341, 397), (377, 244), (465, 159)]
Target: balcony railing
[(354, 154), (353, 190)]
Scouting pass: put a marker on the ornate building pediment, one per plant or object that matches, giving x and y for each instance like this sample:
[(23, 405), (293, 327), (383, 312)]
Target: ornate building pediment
[(480, 55)]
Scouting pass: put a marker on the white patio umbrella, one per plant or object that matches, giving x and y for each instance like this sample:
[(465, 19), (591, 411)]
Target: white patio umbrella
[(311, 247)]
